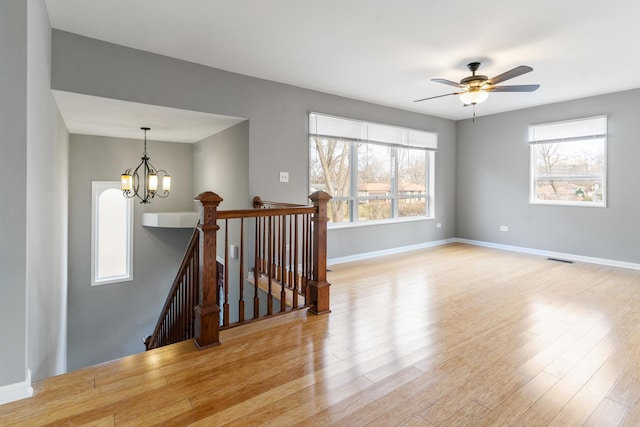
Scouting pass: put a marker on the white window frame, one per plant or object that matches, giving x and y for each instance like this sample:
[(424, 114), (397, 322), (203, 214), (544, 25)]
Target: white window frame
[(97, 188), (352, 132), (588, 128)]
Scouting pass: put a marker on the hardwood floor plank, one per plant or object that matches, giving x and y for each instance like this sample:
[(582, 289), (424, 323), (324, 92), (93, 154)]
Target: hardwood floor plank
[(107, 421), (633, 416), (547, 407), (470, 414), (147, 416), (627, 388), (609, 413), (517, 403), (331, 414), (417, 422)]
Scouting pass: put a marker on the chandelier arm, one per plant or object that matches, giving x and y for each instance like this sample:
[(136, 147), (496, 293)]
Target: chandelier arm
[(152, 169), (144, 197)]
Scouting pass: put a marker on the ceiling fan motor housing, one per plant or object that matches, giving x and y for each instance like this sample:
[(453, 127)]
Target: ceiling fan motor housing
[(474, 80)]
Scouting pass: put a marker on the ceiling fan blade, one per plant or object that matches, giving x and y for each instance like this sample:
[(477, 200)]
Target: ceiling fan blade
[(447, 82), (518, 71), (439, 96), (516, 88)]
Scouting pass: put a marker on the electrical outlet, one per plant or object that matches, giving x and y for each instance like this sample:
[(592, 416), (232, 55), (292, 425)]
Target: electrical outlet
[(284, 176), (439, 225), (233, 251), (504, 228)]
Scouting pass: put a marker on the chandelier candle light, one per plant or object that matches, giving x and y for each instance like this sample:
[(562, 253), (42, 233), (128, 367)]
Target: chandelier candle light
[(130, 179)]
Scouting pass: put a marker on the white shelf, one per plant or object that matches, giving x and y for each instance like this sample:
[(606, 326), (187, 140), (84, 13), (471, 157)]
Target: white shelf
[(171, 219)]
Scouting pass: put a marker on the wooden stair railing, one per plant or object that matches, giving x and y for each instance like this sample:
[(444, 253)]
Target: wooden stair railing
[(176, 322), (287, 249), (176, 319)]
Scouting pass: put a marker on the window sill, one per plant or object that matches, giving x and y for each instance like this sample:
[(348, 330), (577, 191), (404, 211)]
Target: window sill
[(569, 204), (379, 222)]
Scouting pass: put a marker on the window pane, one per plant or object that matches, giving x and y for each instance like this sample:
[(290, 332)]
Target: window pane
[(569, 171), (113, 234), (111, 238), (579, 159), (411, 172), (569, 190), (374, 209), (329, 166), (412, 207), (339, 210), (374, 170)]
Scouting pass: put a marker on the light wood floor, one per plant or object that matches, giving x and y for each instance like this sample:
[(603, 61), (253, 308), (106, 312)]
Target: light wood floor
[(456, 335)]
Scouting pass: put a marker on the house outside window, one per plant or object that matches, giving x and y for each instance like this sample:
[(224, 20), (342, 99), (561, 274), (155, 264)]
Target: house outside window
[(568, 162), (111, 234), (373, 172)]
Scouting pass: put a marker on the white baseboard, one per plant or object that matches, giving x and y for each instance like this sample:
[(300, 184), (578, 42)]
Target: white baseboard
[(17, 391), (392, 251), (550, 254)]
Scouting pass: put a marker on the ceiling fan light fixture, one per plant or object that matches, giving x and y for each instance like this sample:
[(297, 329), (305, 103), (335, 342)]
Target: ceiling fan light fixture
[(473, 97)]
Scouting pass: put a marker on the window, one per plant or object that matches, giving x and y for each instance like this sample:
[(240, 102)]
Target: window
[(111, 234), (568, 162), (372, 171)]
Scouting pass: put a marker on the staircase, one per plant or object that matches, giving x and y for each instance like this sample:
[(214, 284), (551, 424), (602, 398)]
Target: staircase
[(281, 244)]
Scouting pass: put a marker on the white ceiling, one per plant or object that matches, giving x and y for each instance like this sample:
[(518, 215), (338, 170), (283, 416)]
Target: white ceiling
[(92, 115), (385, 51)]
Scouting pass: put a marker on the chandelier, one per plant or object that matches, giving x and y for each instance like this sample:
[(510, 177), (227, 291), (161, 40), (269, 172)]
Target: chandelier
[(146, 174)]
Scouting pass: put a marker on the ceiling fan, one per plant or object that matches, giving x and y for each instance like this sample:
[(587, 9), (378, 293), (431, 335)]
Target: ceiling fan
[(475, 88)]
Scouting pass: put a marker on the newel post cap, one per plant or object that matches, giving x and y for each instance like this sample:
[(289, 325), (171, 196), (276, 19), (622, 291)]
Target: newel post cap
[(320, 196), (208, 198)]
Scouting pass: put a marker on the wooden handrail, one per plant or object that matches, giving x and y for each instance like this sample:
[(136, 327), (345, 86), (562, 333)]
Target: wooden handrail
[(254, 213), (288, 273), (258, 203)]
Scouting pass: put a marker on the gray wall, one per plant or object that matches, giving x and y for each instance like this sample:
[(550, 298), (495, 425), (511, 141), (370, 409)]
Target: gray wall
[(33, 192), (221, 165), (47, 189), (110, 321), (493, 183), (13, 190), (277, 116)]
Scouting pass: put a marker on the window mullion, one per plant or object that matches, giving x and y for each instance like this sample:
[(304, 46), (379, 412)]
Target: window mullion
[(394, 183), (354, 180), (427, 182)]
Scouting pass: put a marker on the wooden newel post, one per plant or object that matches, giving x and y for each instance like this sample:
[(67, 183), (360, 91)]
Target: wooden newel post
[(207, 312), (319, 287)]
